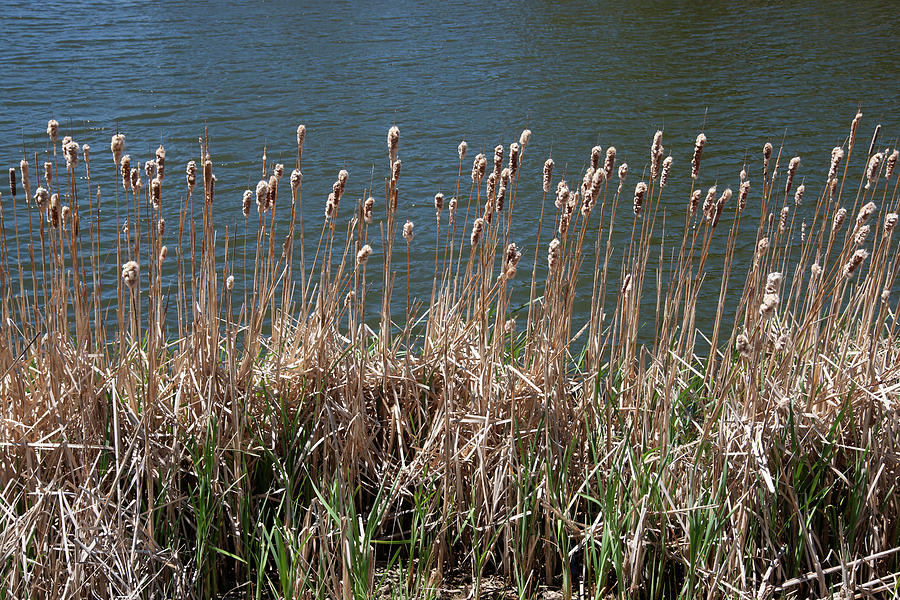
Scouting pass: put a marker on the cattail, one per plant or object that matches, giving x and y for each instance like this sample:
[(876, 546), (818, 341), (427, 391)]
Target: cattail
[(41, 199), (150, 170), (262, 196), (498, 158), (513, 255), (666, 166), (803, 232), (301, 138), (64, 215), (66, 141), (278, 171), (864, 213), (610, 162), (767, 154), (155, 192), (743, 175), (656, 152), (837, 154), (553, 254), (160, 163), (709, 204), (477, 228), (509, 327), (853, 127), (832, 188), (245, 203), (564, 220), (627, 285), (363, 255), (393, 141), (562, 194), (163, 253), (623, 172), (71, 152), (587, 204), (48, 174), (408, 232), (451, 207), (639, 190), (491, 186), (782, 220), (761, 248), (596, 154), (720, 205), (890, 221), (798, 195), (767, 308), (890, 165), (330, 207), (874, 139), (117, 146), (815, 270), (126, 172), (597, 182), (854, 262), (296, 179), (438, 204), (130, 274), (53, 212), (52, 129), (191, 172), (861, 234), (694, 202), (26, 181), (586, 180), (273, 191), (743, 192), (514, 150), (368, 209), (136, 182), (792, 170), (698, 154), (873, 169), (524, 137), (886, 295), (478, 167), (838, 220), (12, 181), (505, 177), (501, 196), (395, 171), (462, 149), (742, 345), (548, 174), (207, 171)]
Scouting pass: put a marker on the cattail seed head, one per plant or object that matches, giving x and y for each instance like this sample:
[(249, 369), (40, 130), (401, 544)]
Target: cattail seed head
[(509, 327), (767, 307), (12, 181), (117, 146), (656, 152), (815, 270), (743, 175), (694, 202), (478, 167), (462, 149), (858, 257), (160, 228), (505, 176), (477, 228), (742, 195), (48, 173), (160, 163), (767, 154), (278, 171), (890, 221), (26, 181), (698, 154), (709, 204), (639, 190), (66, 141), (609, 163), (393, 142), (41, 199), (865, 213), (873, 169), (832, 188), (853, 127), (890, 164), (296, 179), (150, 169), (837, 154), (273, 192), (126, 172), (501, 196), (720, 205), (368, 209), (163, 253), (548, 174), (64, 215), (511, 260), (408, 232), (191, 172), (330, 207), (742, 345), (438, 203), (773, 282), (498, 158), (52, 129), (363, 255), (666, 166), (861, 234), (130, 274), (53, 213), (155, 192), (838, 220), (782, 220), (451, 206), (229, 283), (623, 172), (792, 170), (245, 203), (207, 171), (596, 155), (553, 255), (301, 137), (524, 137), (514, 152), (395, 170), (136, 182), (597, 181), (262, 196), (798, 195), (71, 152), (562, 194), (491, 186)]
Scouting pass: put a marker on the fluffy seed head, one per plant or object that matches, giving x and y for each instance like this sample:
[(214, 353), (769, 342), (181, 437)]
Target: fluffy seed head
[(393, 141), (639, 190), (666, 166), (891, 164), (125, 168), (858, 257), (698, 154), (782, 220), (562, 194), (363, 255), (41, 199), (117, 146), (596, 155), (48, 173), (767, 154), (861, 234), (656, 152), (368, 209), (155, 192), (161, 227), (296, 179), (873, 168), (478, 167), (462, 149), (64, 214), (792, 170), (408, 232), (837, 154), (798, 195), (262, 196), (229, 283), (511, 260), (742, 345), (163, 253), (767, 307), (742, 195), (395, 170), (438, 203), (71, 152), (136, 182), (553, 254), (890, 221), (53, 212), (278, 171), (694, 202), (477, 228), (130, 274), (514, 153), (160, 163), (853, 127), (52, 129), (838, 220), (709, 204), (548, 174), (609, 162), (245, 203), (301, 137), (720, 205), (524, 137), (191, 172), (865, 213), (832, 188)]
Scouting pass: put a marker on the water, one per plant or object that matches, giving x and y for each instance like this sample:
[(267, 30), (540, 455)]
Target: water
[(577, 74)]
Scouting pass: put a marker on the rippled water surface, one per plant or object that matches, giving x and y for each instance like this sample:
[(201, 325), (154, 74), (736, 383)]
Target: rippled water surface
[(577, 74)]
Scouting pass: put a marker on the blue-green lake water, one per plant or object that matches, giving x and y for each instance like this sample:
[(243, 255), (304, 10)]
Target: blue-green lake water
[(575, 73)]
